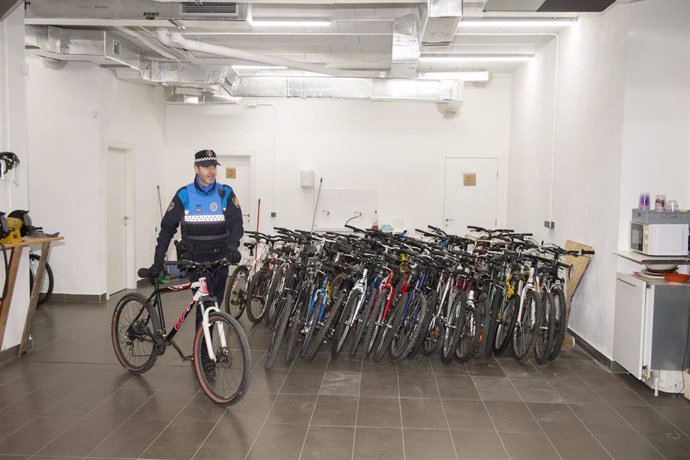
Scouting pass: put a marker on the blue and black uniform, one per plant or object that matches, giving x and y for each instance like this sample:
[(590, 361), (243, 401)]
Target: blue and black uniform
[(211, 221)]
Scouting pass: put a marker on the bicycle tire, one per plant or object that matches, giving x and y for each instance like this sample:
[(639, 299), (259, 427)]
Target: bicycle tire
[(320, 338), (343, 327), (491, 330), (384, 339), (125, 337), (279, 330), (506, 325), (313, 324), (451, 335), (373, 327), (256, 298), (409, 329), (295, 326), (561, 322), (361, 324), (277, 280), (44, 295), (432, 337), (227, 356), (469, 335), (480, 339), (543, 338), (523, 337), (235, 298)]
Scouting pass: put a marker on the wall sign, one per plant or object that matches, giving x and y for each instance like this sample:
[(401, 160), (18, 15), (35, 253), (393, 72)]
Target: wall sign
[(469, 179)]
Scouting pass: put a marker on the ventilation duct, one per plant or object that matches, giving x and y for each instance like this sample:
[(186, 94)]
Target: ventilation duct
[(548, 6), (130, 12), (348, 88), (406, 49), (442, 18)]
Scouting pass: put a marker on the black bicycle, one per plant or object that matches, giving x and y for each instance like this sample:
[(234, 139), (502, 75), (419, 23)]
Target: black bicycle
[(221, 356), (48, 281)]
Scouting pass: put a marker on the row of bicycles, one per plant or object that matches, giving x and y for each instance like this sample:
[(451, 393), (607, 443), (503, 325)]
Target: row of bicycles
[(395, 296)]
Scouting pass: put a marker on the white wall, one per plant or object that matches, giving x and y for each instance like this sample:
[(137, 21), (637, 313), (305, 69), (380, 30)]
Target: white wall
[(75, 112), (13, 137), (392, 148), (611, 114)]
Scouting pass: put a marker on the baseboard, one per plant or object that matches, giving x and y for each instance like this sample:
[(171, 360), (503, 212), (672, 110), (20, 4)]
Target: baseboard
[(12, 352), (590, 350), (78, 298)]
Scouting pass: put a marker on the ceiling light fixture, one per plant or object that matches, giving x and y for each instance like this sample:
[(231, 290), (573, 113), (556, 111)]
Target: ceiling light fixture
[(289, 23), (258, 67), (526, 22), (462, 76), (476, 58)]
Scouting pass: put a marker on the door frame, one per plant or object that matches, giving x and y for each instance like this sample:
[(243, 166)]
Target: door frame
[(501, 186), (130, 209), (251, 155)]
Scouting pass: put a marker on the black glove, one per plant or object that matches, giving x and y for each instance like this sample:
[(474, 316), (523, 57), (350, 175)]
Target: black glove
[(152, 272), (234, 255)]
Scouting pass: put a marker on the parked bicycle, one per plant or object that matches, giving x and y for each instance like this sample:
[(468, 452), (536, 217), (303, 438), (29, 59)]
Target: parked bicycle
[(221, 356)]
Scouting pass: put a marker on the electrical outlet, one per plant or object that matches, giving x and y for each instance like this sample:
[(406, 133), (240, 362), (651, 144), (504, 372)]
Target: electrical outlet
[(549, 224)]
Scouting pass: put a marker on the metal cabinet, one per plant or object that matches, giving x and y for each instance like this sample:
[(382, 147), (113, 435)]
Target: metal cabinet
[(651, 330)]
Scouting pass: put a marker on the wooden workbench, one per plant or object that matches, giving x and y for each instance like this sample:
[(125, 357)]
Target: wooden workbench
[(15, 250)]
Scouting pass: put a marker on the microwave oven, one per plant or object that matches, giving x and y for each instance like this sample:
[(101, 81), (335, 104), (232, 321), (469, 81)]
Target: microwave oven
[(659, 239)]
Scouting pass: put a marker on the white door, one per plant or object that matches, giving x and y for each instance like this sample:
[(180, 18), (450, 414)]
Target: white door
[(235, 170), (116, 219), (470, 194)]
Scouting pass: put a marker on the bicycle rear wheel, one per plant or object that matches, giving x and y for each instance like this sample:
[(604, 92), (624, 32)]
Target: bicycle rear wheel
[(235, 297), (226, 379), (132, 334), (469, 334), (256, 296), (543, 338), (48, 281), (505, 325), (284, 308), (527, 326), (453, 331), (561, 320)]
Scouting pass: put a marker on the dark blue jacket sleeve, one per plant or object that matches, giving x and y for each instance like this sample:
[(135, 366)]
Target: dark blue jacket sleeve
[(233, 219), (171, 220)]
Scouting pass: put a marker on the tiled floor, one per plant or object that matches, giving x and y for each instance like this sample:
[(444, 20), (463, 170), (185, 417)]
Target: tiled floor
[(70, 399)]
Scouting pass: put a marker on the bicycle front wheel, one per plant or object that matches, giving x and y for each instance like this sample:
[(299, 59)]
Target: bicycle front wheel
[(226, 378), (132, 334)]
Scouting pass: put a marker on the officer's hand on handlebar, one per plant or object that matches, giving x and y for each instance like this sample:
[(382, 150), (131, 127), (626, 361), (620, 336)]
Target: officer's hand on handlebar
[(234, 256), (152, 272)]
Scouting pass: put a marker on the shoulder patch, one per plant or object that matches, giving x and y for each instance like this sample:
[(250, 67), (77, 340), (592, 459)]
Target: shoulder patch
[(236, 202)]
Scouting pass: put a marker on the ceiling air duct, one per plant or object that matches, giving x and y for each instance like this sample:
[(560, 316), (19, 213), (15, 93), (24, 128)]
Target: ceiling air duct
[(548, 6)]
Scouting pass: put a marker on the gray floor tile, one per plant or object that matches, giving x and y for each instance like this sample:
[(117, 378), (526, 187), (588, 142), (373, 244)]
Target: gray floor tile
[(35, 435), (487, 367), (292, 409), (511, 417), (423, 413), (495, 389), (335, 411), (332, 443), (647, 421), (82, 437), (457, 387), (522, 369), (473, 445), (419, 365), (81, 402), (180, 440), (452, 368), (680, 417), (578, 446), (278, 442), (615, 392), (415, 386), (378, 444), (384, 385), (345, 363), (303, 381), (379, 412), (164, 404), (122, 403), (426, 444), (200, 408), (228, 440), (536, 390), (629, 447), (253, 408), (556, 369), (267, 381), (467, 415), (39, 400), (11, 393), (528, 446), (341, 383), (319, 362), (557, 419), (130, 439), (12, 422), (575, 391), (589, 370), (602, 420), (672, 448)]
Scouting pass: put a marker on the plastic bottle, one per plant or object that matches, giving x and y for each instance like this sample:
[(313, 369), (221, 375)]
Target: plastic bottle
[(375, 224)]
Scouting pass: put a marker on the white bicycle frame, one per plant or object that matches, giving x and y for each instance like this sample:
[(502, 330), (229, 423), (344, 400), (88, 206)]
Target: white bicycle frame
[(528, 285), (360, 286), (201, 292)]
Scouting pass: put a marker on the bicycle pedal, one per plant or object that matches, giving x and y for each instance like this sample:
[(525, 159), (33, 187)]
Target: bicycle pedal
[(189, 358)]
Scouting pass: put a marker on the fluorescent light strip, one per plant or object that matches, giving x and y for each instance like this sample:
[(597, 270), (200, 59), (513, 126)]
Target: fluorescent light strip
[(258, 67), (462, 76), (527, 22), (289, 23), (476, 58)]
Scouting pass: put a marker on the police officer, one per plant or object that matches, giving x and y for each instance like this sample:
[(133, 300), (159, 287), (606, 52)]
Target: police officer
[(211, 221)]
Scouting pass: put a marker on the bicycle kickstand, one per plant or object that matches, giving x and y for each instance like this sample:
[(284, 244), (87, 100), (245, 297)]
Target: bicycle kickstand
[(179, 351)]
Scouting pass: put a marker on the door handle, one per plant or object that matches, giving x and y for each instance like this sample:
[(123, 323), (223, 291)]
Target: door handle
[(448, 219)]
